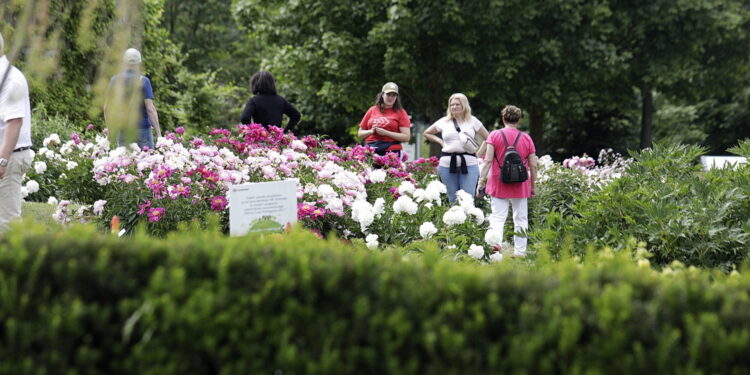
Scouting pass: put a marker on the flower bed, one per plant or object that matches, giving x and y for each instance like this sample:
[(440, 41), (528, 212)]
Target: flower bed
[(350, 191)]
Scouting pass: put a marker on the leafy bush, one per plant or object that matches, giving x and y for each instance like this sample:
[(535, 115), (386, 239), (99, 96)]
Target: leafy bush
[(197, 302), (666, 200)]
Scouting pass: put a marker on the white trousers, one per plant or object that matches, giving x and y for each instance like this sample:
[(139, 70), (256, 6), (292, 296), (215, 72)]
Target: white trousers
[(520, 220), (10, 187)]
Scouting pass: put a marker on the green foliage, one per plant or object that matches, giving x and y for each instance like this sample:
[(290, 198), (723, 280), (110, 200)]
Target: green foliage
[(43, 125), (67, 166), (665, 199), (560, 190), (81, 302), (39, 213), (210, 39)]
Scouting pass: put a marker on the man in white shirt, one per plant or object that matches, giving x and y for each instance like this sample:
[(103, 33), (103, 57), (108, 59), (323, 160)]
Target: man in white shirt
[(15, 137)]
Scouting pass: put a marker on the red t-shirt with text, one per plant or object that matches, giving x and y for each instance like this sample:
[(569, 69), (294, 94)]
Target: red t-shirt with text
[(389, 120)]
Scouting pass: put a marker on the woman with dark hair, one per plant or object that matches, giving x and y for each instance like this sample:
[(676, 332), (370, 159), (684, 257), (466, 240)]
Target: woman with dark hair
[(386, 124), (266, 107), (504, 194)]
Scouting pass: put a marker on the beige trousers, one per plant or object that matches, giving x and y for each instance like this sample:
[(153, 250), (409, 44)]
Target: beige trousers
[(10, 187)]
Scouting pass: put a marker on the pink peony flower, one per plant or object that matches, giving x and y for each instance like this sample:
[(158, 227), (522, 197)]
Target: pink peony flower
[(155, 214), (219, 203), (143, 207), (180, 130)]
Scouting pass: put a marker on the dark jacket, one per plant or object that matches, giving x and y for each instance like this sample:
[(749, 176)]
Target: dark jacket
[(267, 109)]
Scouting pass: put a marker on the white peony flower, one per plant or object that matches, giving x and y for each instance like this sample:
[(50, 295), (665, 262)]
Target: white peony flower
[(433, 192), (298, 145), (377, 176), (372, 241), (496, 257), (420, 195), (427, 229), (82, 210), (99, 206), (437, 186), (52, 139), (404, 203), (478, 214), (476, 251), (71, 165), (465, 199), (454, 216), (335, 205), (325, 191), (52, 201), (492, 237), (379, 207), (40, 167), (24, 192), (362, 213), (406, 187), (67, 148), (32, 186)]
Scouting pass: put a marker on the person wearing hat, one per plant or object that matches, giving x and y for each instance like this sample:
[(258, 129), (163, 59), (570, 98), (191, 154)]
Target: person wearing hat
[(15, 137), (130, 102), (386, 124)]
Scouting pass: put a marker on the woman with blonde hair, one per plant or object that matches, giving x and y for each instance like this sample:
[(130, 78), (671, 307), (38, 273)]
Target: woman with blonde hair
[(458, 167)]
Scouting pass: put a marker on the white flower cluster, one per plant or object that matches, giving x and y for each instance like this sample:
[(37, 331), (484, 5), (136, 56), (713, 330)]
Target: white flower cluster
[(427, 229), (371, 241), (404, 203), (476, 251)]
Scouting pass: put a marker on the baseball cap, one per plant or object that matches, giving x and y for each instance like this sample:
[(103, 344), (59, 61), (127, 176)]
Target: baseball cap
[(390, 87), (132, 56)]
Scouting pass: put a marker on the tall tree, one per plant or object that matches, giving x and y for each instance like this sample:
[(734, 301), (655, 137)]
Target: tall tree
[(681, 48), (333, 56)]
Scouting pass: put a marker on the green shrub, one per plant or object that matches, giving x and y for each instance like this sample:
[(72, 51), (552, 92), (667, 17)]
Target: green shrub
[(665, 199), (43, 124), (196, 302)]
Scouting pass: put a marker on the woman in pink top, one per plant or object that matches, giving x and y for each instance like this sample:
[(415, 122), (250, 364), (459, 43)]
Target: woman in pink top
[(386, 124), (505, 194)]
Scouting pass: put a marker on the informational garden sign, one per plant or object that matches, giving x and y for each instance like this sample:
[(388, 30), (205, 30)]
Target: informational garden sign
[(262, 206), (720, 162)]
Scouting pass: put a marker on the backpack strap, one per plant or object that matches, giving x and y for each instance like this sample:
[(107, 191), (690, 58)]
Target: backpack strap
[(517, 138), (5, 75)]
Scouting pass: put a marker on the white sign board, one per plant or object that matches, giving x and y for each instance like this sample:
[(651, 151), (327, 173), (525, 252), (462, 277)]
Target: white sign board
[(720, 162), (262, 206)]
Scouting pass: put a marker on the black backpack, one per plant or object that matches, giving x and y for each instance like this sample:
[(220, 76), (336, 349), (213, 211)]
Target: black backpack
[(512, 170)]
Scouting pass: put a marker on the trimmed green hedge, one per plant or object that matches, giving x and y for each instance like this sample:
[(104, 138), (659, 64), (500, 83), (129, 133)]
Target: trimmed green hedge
[(78, 302)]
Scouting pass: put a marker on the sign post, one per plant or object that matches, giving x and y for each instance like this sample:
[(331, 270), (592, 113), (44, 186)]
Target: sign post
[(262, 206)]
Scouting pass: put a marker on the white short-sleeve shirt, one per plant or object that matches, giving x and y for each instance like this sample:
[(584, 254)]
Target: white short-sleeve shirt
[(451, 140), (14, 103)]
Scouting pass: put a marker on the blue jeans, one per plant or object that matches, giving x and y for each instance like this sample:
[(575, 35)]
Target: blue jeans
[(145, 138), (458, 181)]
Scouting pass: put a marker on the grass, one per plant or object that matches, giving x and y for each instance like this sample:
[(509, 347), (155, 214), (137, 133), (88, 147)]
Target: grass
[(39, 212)]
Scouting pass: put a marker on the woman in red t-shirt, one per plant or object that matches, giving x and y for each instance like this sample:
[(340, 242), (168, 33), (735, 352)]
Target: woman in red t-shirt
[(386, 124), (505, 194)]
